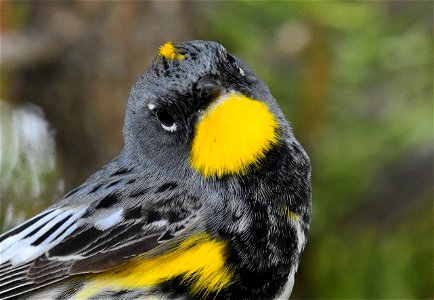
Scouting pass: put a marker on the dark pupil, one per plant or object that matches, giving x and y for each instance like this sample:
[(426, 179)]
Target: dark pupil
[(164, 117)]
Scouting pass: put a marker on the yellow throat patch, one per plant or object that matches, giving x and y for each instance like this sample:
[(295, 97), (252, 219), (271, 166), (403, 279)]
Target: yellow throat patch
[(234, 133), (168, 51)]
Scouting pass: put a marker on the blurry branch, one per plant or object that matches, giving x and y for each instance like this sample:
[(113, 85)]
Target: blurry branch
[(396, 189), (26, 49), (315, 85)]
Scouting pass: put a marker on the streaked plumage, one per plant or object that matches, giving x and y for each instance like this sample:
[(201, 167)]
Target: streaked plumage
[(210, 197)]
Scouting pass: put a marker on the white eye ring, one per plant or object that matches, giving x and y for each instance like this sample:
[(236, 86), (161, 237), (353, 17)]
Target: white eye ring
[(171, 128)]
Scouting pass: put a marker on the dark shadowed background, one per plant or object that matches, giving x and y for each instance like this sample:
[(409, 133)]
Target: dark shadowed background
[(354, 79)]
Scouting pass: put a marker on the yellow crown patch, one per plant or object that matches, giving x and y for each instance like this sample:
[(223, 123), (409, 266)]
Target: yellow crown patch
[(168, 51)]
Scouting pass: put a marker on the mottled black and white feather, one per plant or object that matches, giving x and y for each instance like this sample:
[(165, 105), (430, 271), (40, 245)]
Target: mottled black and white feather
[(92, 229)]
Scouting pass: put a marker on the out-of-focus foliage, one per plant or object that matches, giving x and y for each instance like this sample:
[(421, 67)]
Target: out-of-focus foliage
[(356, 82), (27, 163)]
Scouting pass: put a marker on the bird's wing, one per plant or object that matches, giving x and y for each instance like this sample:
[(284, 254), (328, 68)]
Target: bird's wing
[(68, 240)]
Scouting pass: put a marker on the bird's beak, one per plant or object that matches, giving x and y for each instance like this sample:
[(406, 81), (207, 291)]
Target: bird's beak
[(206, 90)]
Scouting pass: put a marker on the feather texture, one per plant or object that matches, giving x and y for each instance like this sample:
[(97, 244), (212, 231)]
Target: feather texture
[(218, 207)]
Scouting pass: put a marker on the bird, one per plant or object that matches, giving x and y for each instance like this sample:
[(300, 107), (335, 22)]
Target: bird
[(210, 197)]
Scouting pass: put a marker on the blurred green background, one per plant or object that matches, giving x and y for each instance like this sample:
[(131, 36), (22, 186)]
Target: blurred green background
[(354, 78)]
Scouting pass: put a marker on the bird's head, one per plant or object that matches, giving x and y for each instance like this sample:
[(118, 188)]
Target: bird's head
[(199, 109)]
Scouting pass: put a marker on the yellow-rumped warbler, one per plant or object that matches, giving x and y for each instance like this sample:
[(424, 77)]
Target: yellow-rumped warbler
[(210, 197)]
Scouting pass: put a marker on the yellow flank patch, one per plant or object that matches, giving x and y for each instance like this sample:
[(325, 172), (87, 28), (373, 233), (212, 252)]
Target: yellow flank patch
[(168, 51), (286, 211), (200, 259), (233, 133)]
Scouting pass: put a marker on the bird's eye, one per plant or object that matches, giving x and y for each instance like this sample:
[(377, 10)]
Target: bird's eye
[(165, 118), (233, 62)]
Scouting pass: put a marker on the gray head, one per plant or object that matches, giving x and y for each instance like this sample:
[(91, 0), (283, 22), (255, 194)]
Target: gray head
[(179, 118)]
